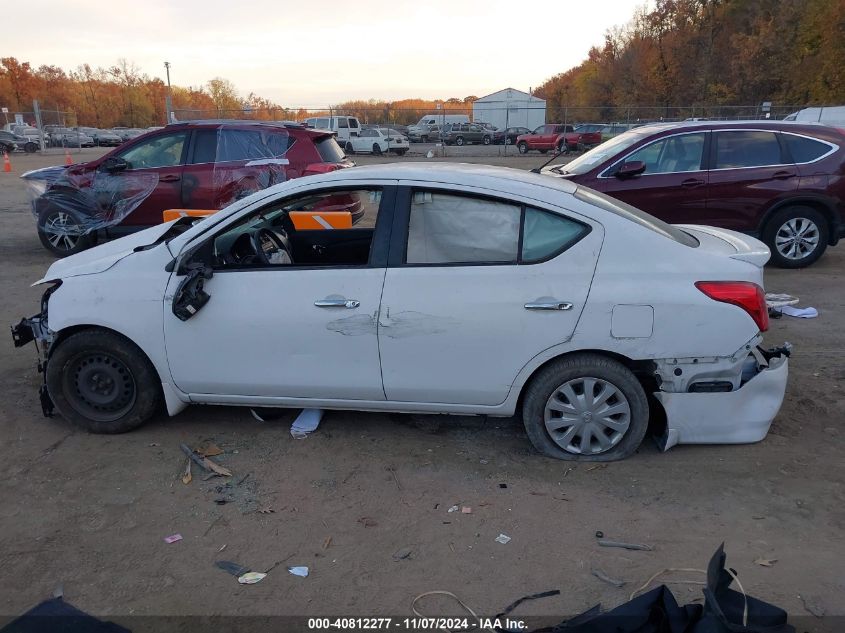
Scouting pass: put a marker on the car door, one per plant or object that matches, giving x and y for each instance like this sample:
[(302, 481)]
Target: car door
[(750, 170), (466, 304), (363, 142), (302, 328), (154, 168), (673, 186)]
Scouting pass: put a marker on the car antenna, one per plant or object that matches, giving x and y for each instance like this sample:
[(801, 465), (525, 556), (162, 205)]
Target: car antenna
[(537, 170)]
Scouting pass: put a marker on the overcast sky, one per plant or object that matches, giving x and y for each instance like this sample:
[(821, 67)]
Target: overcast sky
[(320, 52)]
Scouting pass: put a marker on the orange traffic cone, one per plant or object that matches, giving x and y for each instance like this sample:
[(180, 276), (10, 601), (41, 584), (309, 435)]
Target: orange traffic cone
[(68, 159), (7, 164)]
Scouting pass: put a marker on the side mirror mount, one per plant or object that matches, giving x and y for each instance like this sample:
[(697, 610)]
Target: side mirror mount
[(114, 164), (630, 170)]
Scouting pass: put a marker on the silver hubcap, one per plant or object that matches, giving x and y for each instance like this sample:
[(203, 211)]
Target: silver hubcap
[(62, 232), (587, 416), (797, 238)]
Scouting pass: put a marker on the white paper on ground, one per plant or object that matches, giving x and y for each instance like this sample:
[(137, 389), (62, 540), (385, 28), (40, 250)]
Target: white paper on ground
[(306, 423), (801, 313), (299, 571)]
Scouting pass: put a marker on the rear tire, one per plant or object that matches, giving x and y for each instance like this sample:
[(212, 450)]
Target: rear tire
[(459, 141), (486, 140), (102, 382), (30, 148), (61, 231), (607, 430), (797, 236), (523, 147), (349, 149), (423, 139), (376, 149)]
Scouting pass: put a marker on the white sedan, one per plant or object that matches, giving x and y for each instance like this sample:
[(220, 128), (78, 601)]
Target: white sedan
[(377, 141), (448, 289)]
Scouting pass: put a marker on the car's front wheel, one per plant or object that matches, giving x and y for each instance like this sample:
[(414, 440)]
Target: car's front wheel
[(486, 140), (459, 141), (376, 149), (523, 147), (102, 382), (585, 407), (797, 236), (62, 231)]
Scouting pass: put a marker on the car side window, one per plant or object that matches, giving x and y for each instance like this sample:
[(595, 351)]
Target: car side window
[(451, 229), (546, 234), (746, 148), (163, 150), (325, 228), (342, 122), (673, 154), (803, 149), (205, 147), (239, 145)]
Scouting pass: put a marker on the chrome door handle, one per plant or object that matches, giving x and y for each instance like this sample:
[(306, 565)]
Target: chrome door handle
[(554, 305), (337, 303)]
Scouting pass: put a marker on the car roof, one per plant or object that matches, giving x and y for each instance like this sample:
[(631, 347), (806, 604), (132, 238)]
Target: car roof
[(763, 124), (487, 176)]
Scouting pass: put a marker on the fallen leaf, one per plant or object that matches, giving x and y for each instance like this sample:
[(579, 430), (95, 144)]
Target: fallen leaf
[(217, 468), (766, 562), (327, 542), (266, 510), (367, 522), (209, 450), (186, 476)]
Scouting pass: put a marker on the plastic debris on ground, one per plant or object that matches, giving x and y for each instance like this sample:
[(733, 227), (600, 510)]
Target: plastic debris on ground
[(232, 568), (778, 300), (801, 313), (172, 538), (252, 577), (504, 539), (300, 571), (453, 509), (306, 423), (403, 553)]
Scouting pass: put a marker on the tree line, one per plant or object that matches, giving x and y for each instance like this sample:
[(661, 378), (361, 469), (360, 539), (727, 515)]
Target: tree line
[(680, 53), (710, 53)]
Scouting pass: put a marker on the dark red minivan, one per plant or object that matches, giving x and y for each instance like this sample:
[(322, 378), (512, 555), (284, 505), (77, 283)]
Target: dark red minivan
[(190, 165), (780, 181)]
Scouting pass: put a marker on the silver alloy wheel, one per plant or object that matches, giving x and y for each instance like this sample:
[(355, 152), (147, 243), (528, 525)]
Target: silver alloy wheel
[(587, 416), (61, 230), (797, 238)]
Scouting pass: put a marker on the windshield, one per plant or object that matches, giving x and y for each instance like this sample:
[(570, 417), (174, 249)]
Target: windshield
[(599, 154), (329, 150)]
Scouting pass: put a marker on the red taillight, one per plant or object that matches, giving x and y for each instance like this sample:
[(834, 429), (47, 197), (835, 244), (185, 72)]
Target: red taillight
[(746, 295)]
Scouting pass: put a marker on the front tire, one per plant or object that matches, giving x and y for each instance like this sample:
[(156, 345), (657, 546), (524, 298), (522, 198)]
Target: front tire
[(102, 382), (585, 407), (62, 231), (797, 236), (459, 141), (486, 140), (376, 149)]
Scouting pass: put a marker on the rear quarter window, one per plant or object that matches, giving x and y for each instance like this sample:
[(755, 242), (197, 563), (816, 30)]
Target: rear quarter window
[(329, 150), (633, 214), (805, 150)]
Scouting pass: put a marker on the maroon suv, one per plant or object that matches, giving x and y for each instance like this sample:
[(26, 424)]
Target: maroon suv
[(191, 165), (780, 181)]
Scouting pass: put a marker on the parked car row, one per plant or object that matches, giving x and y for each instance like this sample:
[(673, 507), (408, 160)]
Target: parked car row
[(9, 142)]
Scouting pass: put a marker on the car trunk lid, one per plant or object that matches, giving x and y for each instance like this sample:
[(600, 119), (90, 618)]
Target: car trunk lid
[(729, 243)]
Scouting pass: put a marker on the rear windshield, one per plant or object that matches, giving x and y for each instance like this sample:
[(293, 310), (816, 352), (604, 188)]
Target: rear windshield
[(633, 214), (329, 150)]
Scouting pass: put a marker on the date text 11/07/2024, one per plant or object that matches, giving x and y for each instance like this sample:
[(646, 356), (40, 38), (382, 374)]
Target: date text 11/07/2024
[(416, 624)]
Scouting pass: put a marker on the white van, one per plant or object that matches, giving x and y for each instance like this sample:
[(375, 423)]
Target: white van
[(344, 126), (834, 115), (440, 119)]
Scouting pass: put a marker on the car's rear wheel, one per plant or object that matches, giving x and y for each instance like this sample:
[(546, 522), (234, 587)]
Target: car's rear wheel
[(348, 148), (508, 141), (459, 141), (423, 139), (797, 236), (30, 147), (62, 231), (562, 147), (376, 149), (486, 140), (102, 382), (523, 147), (585, 407)]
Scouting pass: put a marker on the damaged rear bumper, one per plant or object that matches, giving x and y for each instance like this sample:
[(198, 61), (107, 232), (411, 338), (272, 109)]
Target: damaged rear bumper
[(731, 417)]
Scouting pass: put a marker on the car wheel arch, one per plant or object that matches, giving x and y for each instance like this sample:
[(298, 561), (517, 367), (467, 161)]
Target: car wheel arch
[(819, 203)]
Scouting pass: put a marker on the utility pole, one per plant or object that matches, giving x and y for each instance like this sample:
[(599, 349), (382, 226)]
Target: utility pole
[(168, 101)]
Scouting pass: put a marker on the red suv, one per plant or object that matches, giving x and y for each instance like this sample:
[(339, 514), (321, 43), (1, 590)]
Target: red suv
[(191, 165), (544, 138), (780, 181)]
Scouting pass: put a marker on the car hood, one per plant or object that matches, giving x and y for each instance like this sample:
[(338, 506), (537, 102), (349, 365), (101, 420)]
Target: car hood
[(101, 258)]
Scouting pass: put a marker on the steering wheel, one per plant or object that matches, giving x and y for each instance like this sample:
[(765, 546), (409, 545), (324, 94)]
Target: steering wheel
[(270, 250)]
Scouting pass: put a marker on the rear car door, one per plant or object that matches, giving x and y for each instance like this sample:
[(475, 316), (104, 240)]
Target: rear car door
[(673, 186), (156, 160), (477, 284), (750, 169)]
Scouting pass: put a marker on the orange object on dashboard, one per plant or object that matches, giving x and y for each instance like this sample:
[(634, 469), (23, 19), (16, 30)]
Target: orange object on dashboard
[(302, 220)]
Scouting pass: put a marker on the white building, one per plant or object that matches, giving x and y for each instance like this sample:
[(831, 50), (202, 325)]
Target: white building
[(510, 108)]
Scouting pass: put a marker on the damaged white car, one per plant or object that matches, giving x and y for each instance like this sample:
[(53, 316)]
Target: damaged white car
[(423, 288)]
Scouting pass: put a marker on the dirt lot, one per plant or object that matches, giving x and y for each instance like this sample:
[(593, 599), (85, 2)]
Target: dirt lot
[(90, 512)]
